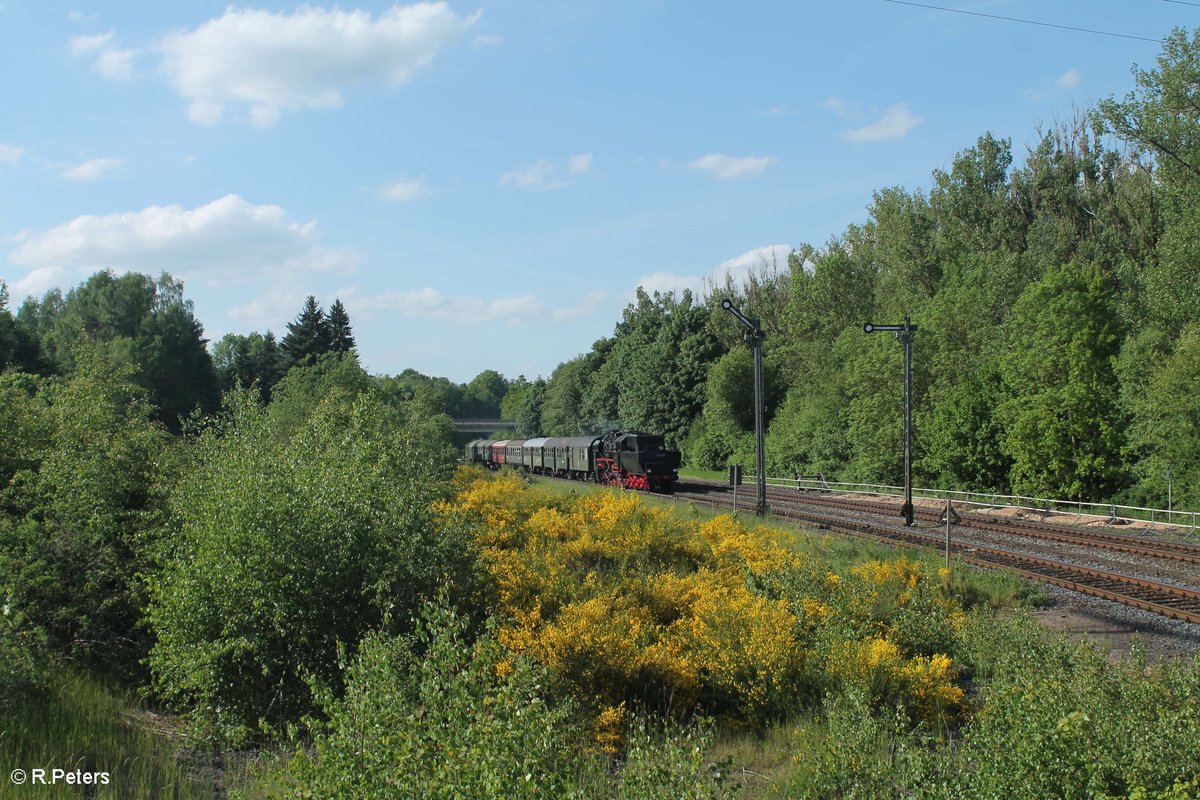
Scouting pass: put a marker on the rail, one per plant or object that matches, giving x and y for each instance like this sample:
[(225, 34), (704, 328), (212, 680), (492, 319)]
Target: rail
[(1158, 516)]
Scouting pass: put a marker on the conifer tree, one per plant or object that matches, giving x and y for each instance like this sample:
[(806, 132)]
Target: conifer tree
[(341, 336), (307, 337)]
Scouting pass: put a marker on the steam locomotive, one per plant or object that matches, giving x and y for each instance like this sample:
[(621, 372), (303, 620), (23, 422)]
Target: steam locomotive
[(628, 459)]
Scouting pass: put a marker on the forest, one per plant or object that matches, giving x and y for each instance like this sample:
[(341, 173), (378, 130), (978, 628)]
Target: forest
[(274, 544)]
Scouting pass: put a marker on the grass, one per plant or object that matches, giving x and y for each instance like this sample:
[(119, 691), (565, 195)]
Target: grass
[(79, 722), (704, 474)]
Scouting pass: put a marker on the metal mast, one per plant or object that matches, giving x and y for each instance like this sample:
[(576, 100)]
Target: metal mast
[(904, 335), (754, 337)]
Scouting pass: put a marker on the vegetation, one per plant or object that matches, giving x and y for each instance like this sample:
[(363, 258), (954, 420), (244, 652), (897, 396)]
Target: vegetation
[(272, 546)]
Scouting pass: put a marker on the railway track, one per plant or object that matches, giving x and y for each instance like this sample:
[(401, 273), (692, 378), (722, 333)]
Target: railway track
[(1104, 540), (1170, 601)]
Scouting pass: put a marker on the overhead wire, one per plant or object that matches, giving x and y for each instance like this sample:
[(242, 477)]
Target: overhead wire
[(1029, 21)]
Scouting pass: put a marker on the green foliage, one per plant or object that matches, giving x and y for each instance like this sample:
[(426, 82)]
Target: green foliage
[(297, 396), (1152, 115), (666, 763), (134, 320), (251, 360), (524, 406), (1060, 720), (437, 715), (341, 335), (17, 348), (561, 412), (22, 660), (438, 393), (484, 394), (309, 336), (291, 536), (431, 716), (1166, 416), (1063, 422), (78, 721), (651, 376), (82, 500)]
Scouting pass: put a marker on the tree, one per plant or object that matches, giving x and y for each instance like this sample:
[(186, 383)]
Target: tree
[(341, 337), (17, 348), (250, 360), (561, 404), (288, 544), (138, 321), (1162, 433), (484, 394), (1063, 422), (81, 504), (307, 337), (1160, 114)]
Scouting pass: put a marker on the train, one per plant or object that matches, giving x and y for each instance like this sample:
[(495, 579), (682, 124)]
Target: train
[(629, 459)]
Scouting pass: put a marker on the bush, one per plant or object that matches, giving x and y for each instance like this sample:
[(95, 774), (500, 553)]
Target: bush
[(81, 498), (1061, 720), (435, 716), (282, 548)]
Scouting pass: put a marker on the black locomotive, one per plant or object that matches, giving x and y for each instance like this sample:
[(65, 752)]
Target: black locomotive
[(629, 459)]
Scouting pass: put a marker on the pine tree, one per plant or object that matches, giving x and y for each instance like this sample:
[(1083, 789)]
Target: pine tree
[(341, 337), (307, 337)]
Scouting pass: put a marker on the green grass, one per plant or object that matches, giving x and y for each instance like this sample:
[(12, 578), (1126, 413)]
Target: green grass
[(704, 474), (80, 722)]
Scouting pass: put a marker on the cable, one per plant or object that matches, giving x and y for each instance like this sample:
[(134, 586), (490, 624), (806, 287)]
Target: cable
[(1029, 21), (1181, 3)]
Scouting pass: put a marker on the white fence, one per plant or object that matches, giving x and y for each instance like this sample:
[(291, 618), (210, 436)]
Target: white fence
[(1110, 511)]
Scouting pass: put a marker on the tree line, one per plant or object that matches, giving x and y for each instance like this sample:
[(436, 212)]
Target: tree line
[(1056, 300), (1058, 305)]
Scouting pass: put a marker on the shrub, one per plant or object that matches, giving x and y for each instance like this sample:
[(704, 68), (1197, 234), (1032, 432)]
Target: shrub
[(81, 495), (430, 716), (282, 548)]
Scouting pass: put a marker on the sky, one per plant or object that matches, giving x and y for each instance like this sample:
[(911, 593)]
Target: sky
[(484, 185)]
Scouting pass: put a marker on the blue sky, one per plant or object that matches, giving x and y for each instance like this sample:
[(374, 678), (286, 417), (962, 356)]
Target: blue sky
[(484, 185)]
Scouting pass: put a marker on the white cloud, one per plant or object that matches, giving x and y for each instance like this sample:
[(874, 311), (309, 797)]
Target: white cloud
[(1068, 80), (270, 311), (545, 176), (85, 45), (115, 64), (772, 254), (41, 280), (111, 62), (577, 165), (404, 191), (738, 267), (585, 308), (10, 154), (226, 241), (840, 106), (730, 167), (895, 123), (276, 62), (91, 170), (430, 303), (540, 176)]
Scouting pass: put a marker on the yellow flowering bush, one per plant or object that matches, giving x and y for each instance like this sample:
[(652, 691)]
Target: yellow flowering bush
[(925, 685), (626, 604)]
